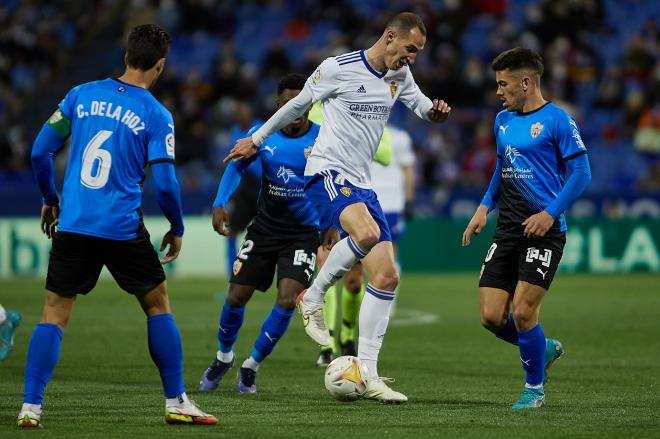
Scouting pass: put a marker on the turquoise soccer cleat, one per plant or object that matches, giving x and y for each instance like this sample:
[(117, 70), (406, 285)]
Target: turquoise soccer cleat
[(553, 350), (530, 399), (7, 329)]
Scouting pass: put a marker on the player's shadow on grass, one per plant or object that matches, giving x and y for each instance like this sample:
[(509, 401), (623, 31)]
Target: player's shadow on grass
[(453, 402)]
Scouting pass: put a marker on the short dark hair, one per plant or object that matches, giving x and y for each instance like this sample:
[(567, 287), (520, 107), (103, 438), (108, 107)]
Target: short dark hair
[(146, 44), (292, 81), (405, 22), (518, 58)]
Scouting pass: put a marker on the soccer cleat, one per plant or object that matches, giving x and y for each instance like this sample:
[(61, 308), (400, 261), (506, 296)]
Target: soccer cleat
[(212, 376), (246, 380), (553, 350), (379, 391), (348, 348), (325, 357), (29, 419), (7, 329), (313, 321), (188, 413), (530, 399)]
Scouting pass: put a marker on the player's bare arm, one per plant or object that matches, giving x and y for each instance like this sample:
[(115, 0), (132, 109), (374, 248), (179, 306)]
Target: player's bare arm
[(439, 112), (220, 221), (476, 225), (537, 225)]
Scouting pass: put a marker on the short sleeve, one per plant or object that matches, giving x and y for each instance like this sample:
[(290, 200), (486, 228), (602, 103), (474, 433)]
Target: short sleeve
[(568, 138), (67, 104), (325, 80), (161, 138)]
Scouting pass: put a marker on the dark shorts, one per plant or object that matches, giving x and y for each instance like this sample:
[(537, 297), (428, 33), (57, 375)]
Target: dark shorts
[(294, 256), (522, 259), (76, 261)]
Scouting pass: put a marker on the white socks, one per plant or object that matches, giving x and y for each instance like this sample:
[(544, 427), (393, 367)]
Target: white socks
[(225, 357), (251, 363), (178, 400), (32, 408), (374, 317), (3, 315), (341, 259)]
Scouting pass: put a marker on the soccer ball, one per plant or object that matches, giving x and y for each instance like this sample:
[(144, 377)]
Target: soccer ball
[(344, 378)]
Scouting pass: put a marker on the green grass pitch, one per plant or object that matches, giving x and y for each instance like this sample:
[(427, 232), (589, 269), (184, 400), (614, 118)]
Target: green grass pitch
[(460, 379)]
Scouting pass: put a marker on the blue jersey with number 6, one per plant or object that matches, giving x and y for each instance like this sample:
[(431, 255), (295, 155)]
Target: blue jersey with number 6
[(116, 130)]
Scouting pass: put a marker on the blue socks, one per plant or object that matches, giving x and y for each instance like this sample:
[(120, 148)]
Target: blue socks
[(532, 354), (231, 320), (272, 331), (165, 349), (43, 353), (508, 332)]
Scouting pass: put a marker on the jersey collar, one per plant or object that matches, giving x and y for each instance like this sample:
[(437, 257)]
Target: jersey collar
[(378, 75), (527, 113)]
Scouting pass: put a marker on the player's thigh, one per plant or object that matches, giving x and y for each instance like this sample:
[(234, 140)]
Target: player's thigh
[(494, 305), (297, 259), (256, 260), (500, 266), (155, 301), (74, 265), (356, 220), (134, 264), (539, 258), (380, 266)]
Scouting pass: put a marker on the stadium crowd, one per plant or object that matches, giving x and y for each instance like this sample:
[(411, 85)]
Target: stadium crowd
[(602, 59)]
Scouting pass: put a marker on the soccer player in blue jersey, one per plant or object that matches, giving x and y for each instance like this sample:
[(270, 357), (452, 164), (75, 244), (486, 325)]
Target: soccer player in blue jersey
[(116, 127), (284, 235), (542, 167)]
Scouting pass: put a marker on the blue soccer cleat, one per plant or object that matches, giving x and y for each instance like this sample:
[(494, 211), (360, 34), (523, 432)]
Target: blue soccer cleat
[(246, 380), (212, 376), (553, 350), (530, 399), (7, 329)]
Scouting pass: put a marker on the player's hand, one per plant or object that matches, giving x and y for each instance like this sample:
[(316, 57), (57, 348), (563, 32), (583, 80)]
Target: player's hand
[(220, 221), (476, 225), (175, 243), (537, 225), (330, 238), (49, 219), (439, 112), (243, 149)]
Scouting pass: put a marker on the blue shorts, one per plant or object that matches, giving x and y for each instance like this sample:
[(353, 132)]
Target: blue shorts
[(330, 192), (397, 225)]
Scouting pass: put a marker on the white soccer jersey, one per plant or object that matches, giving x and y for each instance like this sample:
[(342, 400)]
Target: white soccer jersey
[(357, 102), (388, 181)]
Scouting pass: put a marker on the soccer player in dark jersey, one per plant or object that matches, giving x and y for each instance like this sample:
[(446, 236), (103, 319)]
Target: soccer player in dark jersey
[(542, 167), (116, 127), (284, 235)]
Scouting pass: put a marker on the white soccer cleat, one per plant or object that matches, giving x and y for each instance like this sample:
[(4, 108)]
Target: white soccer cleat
[(188, 413), (29, 419), (379, 391), (313, 320)]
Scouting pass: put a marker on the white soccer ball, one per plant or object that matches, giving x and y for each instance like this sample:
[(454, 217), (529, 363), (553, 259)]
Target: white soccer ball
[(344, 378)]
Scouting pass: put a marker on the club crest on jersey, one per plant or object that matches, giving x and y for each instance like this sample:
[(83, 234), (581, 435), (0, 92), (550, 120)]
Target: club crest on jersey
[(393, 89), (307, 151), (536, 129), (317, 75), (237, 267), (346, 191)]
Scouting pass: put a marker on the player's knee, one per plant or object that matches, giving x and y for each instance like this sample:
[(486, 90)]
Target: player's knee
[(524, 317), (234, 300), (386, 280), (287, 303), (492, 321)]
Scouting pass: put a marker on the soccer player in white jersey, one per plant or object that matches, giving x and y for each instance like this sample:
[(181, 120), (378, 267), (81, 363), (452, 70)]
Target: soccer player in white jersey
[(357, 90)]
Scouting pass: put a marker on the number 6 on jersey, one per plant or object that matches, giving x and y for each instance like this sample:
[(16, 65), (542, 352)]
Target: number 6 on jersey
[(92, 153)]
